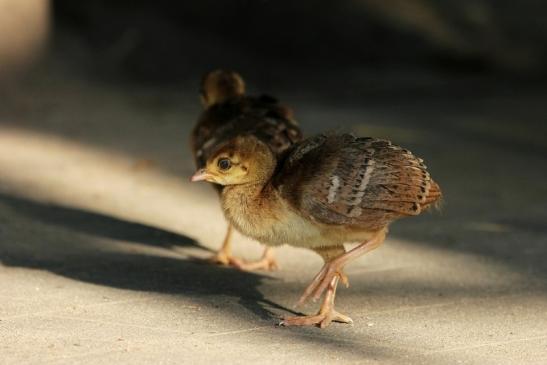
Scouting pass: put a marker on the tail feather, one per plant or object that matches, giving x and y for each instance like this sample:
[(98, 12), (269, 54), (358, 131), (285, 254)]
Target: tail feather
[(434, 196)]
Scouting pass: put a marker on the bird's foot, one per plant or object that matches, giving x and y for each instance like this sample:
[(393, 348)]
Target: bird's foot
[(321, 319), (266, 263), (222, 258), (326, 314), (321, 282)]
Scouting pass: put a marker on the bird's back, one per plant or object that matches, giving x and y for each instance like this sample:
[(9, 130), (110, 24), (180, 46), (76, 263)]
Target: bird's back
[(261, 116)]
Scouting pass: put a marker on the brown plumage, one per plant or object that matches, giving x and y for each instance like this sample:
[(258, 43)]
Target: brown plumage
[(355, 182), (329, 190), (229, 113)]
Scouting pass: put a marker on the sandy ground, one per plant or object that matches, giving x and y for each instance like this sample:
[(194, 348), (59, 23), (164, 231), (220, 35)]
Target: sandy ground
[(102, 236)]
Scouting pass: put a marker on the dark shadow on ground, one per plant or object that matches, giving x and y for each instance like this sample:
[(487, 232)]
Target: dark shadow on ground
[(96, 224), (81, 260)]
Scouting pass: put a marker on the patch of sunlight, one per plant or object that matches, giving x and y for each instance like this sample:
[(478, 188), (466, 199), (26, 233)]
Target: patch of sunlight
[(54, 169)]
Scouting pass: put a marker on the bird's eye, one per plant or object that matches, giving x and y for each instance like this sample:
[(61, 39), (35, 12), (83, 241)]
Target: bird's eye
[(224, 164)]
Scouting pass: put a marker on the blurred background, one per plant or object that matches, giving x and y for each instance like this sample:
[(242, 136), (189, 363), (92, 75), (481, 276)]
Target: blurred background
[(280, 41)]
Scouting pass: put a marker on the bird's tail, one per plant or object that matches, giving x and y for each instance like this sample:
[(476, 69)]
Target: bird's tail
[(434, 197)]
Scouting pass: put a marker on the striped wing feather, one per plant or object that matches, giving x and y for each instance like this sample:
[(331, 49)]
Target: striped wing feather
[(365, 182)]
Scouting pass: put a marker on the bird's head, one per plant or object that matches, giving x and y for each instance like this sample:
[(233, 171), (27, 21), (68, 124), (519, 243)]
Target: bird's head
[(244, 159), (220, 85)]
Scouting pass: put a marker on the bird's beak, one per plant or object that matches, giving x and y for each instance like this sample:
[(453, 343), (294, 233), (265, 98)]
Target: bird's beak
[(201, 175)]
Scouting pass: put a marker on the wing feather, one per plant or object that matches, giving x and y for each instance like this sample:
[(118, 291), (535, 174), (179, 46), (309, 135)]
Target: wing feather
[(366, 182)]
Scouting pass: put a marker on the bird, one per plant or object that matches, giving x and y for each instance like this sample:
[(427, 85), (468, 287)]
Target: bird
[(227, 113), (329, 190)]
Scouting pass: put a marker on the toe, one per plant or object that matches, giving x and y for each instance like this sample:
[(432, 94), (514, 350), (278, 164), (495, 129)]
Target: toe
[(266, 265), (339, 317), (320, 320), (301, 321)]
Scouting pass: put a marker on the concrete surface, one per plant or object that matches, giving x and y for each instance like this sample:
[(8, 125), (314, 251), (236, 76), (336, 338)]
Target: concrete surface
[(102, 236)]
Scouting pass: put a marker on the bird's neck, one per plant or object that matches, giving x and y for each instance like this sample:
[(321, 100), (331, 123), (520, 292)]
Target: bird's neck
[(247, 206), (244, 194)]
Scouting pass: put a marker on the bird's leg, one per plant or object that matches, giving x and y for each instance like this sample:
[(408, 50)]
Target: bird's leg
[(224, 257), (267, 262), (326, 313), (333, 268)]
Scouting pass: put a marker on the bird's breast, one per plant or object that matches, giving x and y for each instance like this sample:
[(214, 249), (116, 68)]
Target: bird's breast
[(267, 218), (270, 220)]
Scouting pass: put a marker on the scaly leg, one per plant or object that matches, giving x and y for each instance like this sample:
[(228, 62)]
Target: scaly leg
[(333, 268), (224, 257), (326, 314)]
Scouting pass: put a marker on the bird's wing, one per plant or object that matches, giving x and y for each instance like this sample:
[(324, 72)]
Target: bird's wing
[(366, 182)]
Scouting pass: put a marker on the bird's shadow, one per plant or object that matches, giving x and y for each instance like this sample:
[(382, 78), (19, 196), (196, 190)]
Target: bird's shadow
[(96, 224), (80, 259)]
